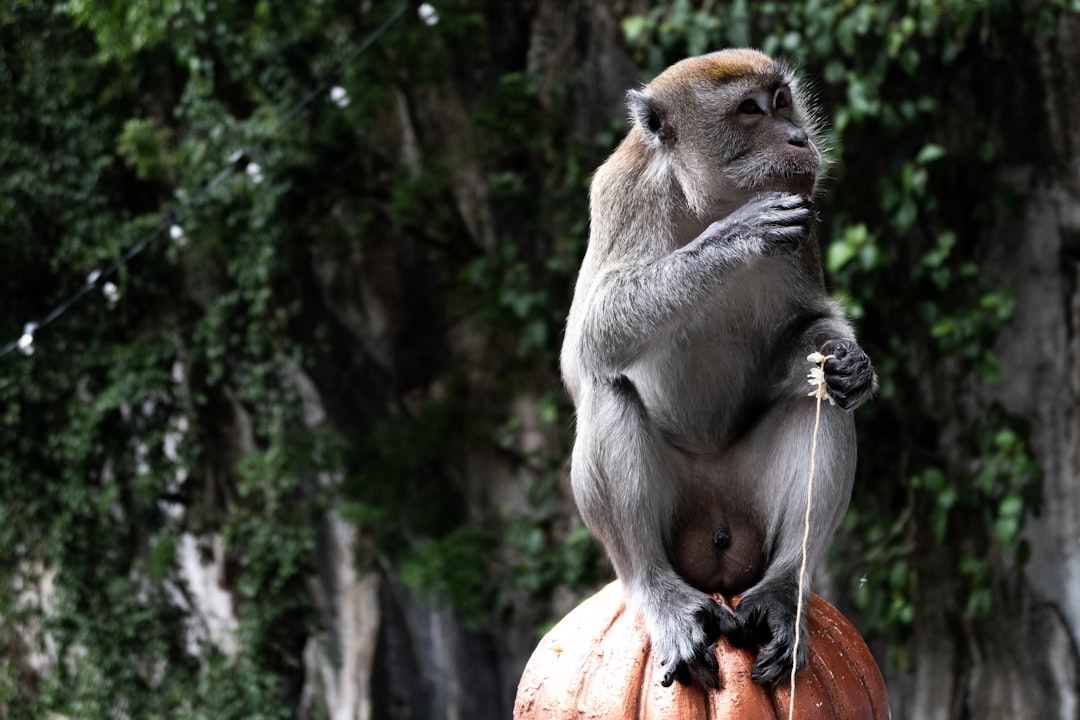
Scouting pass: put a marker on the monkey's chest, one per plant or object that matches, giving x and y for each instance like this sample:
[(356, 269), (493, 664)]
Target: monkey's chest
[(703, 395)]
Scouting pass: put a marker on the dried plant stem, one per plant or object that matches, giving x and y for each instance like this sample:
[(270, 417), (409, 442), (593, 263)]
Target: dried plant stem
[(820, 394)]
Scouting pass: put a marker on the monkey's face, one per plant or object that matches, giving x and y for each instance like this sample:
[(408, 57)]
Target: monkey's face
[(730, 124), (772, 149)]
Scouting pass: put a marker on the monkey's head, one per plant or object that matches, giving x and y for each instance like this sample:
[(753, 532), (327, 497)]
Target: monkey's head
[(726, 126)]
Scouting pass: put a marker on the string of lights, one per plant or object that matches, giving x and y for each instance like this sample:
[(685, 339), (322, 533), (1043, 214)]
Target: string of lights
[(237, 161)]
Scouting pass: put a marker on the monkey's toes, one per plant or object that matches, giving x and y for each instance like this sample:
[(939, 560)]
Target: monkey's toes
[(770, 620), (707, 668), (774, 661), (717, 620), (714, 620), (677, 671), (703, 665)]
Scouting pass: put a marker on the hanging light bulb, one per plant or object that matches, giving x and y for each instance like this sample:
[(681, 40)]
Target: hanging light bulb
[(255, 172), (428, 14), (339, 96), (26, 342), (177, 234), (111, 292)]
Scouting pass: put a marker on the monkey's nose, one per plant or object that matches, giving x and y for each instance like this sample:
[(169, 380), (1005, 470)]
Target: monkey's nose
[(797, 137)]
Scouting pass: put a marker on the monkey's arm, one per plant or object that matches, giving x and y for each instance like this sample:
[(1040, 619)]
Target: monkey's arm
[(632, 305)]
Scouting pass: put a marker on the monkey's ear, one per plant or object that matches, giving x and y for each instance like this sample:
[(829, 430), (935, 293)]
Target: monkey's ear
[(651, 115)]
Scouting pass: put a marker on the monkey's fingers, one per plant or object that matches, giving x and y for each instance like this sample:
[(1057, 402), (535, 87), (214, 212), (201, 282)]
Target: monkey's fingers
[(849, 375), (785, 222)]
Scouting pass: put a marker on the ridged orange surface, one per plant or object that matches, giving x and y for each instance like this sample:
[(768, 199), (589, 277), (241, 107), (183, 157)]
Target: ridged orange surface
[(596, 663)]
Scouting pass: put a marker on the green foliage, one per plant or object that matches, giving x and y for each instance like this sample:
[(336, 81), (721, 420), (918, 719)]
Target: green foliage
[(169, 413), (143, 145), (455, 568), (511, 298), (179, 401), (399, 459), (544, 565)]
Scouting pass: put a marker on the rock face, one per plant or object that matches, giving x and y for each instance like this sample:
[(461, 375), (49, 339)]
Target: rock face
[(1026, 666), (1047, 376), (1036, 254), (387, 653)]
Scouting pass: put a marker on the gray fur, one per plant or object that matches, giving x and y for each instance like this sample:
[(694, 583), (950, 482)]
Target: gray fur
[(698, 300)]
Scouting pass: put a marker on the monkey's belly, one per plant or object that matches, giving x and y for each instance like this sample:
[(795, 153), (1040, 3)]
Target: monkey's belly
[(717, 553)]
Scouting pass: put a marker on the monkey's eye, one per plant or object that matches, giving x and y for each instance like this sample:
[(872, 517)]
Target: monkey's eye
[(782, 100), (749, 107), (654, 121)]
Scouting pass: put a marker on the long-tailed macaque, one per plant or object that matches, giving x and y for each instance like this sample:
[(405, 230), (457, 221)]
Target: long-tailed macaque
[(700, 296)]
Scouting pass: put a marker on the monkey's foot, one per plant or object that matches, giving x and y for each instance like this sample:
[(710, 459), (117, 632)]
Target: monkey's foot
[(849, 376), (683, 641), (768, 617)]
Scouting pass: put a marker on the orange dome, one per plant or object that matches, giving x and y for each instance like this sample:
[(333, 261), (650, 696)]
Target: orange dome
[(596, 663)]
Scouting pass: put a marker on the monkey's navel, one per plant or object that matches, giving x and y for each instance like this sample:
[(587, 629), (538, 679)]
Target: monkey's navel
[(721, 539)]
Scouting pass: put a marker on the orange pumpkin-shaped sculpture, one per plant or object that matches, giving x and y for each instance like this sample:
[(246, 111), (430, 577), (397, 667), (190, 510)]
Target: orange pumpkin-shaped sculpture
[(596, 663)]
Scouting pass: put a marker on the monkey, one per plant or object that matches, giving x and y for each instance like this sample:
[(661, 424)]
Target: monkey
[(698, 300)]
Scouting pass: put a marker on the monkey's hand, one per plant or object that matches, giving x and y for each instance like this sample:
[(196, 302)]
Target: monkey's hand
[(682, 637), (849, 376), (768, 618), (772, 223)]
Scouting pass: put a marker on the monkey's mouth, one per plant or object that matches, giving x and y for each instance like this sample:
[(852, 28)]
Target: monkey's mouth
[(756, 173), (797, 184)]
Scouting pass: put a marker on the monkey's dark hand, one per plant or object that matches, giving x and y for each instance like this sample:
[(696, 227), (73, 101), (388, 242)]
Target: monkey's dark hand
[(770, 224), (782, 221), (690, 657), (767, 617), (849, 376)]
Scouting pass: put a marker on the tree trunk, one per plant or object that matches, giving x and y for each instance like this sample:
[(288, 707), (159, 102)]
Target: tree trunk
[(1025, 663)]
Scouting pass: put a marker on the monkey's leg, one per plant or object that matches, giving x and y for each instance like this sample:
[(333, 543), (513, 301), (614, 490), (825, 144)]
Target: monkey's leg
[(774, 458), (626, 490)]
